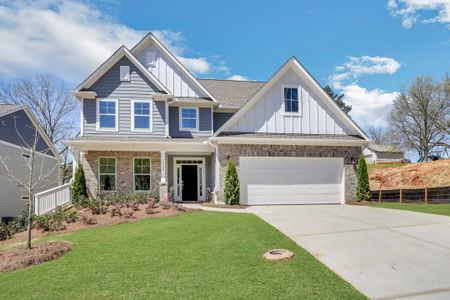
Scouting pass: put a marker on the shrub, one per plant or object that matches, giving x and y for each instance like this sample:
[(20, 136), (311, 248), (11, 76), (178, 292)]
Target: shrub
[(71, 215), (363, 188), (88, 220), (20, 223), (6, 232), (79, 186), (52, 221), (124, 198), (232, 189), (116, 211)]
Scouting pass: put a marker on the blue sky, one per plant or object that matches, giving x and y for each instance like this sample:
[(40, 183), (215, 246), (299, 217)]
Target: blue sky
[(368, 50)]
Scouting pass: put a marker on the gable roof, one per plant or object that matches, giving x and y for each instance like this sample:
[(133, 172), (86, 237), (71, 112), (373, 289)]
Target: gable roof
[(232, 93), (151, 38), (6, 109), (384, 148), (113, 59), (295, 65)]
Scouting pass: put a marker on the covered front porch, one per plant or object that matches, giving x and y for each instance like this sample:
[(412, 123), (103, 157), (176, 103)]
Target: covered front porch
[(179, 170)]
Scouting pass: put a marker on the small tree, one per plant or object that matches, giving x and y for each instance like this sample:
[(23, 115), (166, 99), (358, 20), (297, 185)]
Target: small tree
[(79, 185), (363, 188), (232, 189)]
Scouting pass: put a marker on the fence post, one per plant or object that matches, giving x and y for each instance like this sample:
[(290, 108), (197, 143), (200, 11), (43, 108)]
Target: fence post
[(426, 195), (401, 195), (379, 196)]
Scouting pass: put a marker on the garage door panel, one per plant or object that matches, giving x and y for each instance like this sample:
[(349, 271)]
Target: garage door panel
[(291, 180)]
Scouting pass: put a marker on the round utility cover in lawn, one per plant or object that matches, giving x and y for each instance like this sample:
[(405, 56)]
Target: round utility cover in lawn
[(278, 254)]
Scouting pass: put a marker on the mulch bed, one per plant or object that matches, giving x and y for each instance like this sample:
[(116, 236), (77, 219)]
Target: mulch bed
[(20, 257), (102, 220), (210, 204), (361, 203)]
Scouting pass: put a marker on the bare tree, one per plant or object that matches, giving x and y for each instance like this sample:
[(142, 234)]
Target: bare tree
[(50, 102), (378, 135), (36, 173), (420, 117)]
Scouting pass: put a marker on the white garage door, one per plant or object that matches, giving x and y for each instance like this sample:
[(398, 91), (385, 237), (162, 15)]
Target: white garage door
[(291, 180)]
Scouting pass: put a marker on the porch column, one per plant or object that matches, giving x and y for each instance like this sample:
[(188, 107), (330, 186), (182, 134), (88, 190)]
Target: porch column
[(75, 160), (163, 189)]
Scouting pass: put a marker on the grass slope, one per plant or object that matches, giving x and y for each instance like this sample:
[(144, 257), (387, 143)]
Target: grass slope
[(437, 209), (204, 255)]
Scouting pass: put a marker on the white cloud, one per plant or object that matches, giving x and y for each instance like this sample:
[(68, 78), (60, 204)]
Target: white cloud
[(237, 77), (410, 11), (369, 107), (356, 67), (70, 39)]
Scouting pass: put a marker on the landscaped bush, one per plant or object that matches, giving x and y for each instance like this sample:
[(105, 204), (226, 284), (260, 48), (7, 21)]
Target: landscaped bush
[(87, 220), (20, 223), (79, 186), (124, 198), (52, 221), (6, 232), (71, 215), (363, 188), (232, 189)]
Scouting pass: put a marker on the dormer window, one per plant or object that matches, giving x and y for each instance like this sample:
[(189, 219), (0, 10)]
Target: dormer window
[(290, 99), (189, 118), (124, 73)]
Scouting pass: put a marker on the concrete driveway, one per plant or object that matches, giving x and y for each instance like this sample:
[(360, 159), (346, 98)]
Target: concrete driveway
[(384, 253)]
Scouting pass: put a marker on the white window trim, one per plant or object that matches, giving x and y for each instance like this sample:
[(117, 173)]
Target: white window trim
[(134, 174), (125, 69), (150, 129), (300, 102), (116, 128), (115, 174), (180, 119)]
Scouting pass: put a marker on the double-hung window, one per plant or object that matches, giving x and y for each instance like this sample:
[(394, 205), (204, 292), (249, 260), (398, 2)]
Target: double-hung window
[(107, 173), (188, 118), (142, 111), (107, 114), (142, 174), (291, 101)]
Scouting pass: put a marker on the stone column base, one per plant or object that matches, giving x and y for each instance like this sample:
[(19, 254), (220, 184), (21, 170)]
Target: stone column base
[(163, 193)]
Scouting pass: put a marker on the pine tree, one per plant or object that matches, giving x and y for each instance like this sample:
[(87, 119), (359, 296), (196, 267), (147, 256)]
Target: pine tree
[(232, 189), (363, 188), (79, 186)]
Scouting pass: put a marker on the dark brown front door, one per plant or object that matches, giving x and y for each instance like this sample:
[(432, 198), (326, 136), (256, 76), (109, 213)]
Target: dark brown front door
[(190, 182)]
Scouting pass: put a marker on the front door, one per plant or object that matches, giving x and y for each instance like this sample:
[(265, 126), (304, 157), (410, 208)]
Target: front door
[(190, 182)]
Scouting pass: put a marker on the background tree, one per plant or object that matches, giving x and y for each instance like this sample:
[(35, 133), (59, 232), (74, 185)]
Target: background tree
[(35, 175), (79, 185), (339, 99), (232, 188), (50, 102), (363, 187), (378, 135), (420, 117)]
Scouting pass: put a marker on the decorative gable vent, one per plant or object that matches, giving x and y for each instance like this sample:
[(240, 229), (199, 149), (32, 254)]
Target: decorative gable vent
[(124, 73), (150, 59)]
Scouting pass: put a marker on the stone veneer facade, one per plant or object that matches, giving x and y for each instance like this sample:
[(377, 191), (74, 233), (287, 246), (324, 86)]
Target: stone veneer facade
[(234, 151), (124, 169)]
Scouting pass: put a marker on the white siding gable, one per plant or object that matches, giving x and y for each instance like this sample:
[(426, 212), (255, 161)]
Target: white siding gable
[(267, 113), (168, 73)]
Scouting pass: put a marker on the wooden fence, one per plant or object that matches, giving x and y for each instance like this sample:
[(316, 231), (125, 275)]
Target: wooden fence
[(425, 195)]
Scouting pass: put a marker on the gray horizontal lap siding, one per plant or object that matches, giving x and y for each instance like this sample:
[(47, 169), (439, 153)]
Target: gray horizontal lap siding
[(138, 88), (90, 118), (220, 118), (204, 123)]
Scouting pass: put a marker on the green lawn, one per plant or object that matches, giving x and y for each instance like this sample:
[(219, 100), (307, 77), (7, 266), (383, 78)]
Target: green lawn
[(200, 255), (438, 209)]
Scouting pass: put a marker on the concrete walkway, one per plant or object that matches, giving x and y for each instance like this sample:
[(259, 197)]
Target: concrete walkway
[(384, 253)]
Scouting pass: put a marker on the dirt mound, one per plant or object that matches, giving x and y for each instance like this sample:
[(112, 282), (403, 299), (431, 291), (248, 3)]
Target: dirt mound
[(412, 176), (20, 257)]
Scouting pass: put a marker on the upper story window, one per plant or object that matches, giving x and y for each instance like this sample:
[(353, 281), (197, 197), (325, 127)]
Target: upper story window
[(124, 73), (290, 97), (188, 118), (107, 114), (141, 118)]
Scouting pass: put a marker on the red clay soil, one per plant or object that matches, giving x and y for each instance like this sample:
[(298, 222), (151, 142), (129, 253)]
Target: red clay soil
[(20, 257), (101, 220), (412, 176)]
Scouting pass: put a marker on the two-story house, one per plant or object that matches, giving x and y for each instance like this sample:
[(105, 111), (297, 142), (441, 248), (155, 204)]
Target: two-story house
[(148, 123), (19, 133)]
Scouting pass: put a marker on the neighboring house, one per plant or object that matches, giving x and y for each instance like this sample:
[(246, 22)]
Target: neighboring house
[(374, 154), (148, 123), (17, 132)]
